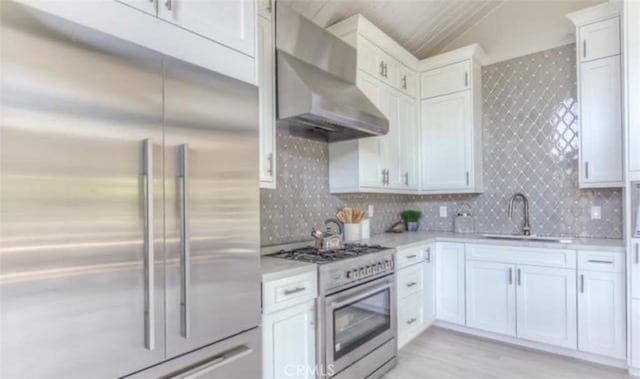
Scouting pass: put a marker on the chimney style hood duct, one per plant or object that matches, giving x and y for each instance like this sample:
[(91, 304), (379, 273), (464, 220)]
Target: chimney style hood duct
[(317, 94)]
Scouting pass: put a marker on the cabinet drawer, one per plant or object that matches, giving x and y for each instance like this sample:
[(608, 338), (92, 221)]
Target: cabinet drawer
[(522, 255), (407, 257), (410, 318), (283, 293), (600, 261), (410, 280)]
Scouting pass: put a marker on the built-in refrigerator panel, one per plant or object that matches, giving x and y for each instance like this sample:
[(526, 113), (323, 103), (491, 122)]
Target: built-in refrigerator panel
[(212, 206), (80, 199)]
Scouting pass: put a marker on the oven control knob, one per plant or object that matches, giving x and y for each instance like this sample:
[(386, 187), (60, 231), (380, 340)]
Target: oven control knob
[(369, 269), (363, 271), (380, 267), (349, 274)]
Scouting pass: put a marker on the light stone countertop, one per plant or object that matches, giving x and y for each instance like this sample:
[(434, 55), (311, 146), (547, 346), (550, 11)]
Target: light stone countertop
[(277, 268), (411, 239)]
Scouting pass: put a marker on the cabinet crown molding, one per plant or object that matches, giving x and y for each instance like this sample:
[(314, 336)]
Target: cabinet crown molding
[(593, 14), (473, 52), (361, 25)]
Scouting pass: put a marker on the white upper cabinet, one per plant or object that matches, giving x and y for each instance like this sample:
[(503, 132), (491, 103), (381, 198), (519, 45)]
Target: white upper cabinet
[(451, 122), (600, 39), (446, 138), (601, 123), (228, 22), (599, 96), (491, 297), (546, 305), (148, 6), (266, 90), (408, 118), (632, 54), (634, 269), (445, 80)]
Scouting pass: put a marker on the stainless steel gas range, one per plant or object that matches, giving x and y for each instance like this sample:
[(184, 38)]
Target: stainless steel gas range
[(356, 309)]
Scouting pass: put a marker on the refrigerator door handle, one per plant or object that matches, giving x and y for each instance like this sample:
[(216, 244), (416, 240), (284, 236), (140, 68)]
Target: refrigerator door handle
[(216, 362), (183, 177), (147, 182)]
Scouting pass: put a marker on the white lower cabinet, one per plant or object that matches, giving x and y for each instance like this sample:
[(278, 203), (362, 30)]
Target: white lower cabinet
[(491, 297), (289, 343), (415, 284), (546, 305), (601, 313), (450, 278), (288, 326)]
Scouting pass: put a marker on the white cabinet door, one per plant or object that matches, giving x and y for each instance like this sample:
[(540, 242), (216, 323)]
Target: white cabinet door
[(390, 143), (546, 305), (391, 70), (635, 268), (447, 128), (369, 148), (601, 123), (289, 343), (147, 6), (410, 318), (408, 125), (266, 87), (599, 40), (635, 333), (632, 52), (601, 313), (445, 80), (450, 297), (370, 58), (407, 81), (228, 22), (429, 286), (491, 297)]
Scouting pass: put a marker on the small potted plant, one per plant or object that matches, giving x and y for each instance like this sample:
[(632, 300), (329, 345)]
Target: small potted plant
[(412, 218)]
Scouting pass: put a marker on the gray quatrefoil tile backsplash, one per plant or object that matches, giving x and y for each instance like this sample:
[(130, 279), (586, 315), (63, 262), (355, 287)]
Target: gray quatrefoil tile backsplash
[(530, 141)]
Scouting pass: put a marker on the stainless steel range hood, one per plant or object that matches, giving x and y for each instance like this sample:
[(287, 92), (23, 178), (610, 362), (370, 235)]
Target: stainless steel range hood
[(317, 95)]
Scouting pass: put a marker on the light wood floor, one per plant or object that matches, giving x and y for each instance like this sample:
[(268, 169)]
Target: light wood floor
[(441, 354)]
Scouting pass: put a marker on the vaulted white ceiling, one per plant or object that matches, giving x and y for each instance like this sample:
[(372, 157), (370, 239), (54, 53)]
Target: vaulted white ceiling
[(424, 27)]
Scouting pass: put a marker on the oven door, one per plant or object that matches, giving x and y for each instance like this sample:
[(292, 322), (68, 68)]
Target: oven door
[(359, 320)]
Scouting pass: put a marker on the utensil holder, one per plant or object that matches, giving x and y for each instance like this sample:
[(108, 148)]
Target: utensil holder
[(352, 232)]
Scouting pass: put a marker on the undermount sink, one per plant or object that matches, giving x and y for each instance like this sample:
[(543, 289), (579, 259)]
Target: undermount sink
[(521, 237)]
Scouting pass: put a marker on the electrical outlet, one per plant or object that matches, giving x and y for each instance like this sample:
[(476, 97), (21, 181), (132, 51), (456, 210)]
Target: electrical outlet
[(596, 213), (370, 211), (443, 211)]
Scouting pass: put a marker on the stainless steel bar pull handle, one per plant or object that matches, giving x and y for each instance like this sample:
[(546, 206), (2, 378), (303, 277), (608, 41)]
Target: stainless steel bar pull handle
[(510, 275), (519, 277), (149, 293), (382, 68), (428, 255), (411, 321), (215, 363), (466, 79), (584, 48), (586, 170), (582, 283), (600, 261), (185, 258), (411, 284), (270, 168), (169, 4), (637, 253), (294, 290)]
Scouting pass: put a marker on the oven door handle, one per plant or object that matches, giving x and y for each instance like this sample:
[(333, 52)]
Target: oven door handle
[(361, 295)]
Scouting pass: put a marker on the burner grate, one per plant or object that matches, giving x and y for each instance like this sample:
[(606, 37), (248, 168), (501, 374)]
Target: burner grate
[(315, 255)]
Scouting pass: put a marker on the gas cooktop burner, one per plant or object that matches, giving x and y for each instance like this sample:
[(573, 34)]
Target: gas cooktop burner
[(315, 255)]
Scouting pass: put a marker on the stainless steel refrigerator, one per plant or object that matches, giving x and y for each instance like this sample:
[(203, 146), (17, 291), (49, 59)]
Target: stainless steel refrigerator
[(129, 209)]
